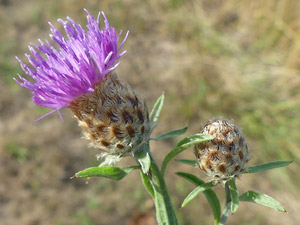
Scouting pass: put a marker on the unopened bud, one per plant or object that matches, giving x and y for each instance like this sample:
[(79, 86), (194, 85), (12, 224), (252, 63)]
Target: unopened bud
[(227, 155)]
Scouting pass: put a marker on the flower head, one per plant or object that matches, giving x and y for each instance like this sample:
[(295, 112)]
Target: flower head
[(79, 75), (227, 155), (83, 59), (113, 118)]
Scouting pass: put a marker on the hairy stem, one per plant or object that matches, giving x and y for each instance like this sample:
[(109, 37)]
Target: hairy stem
[(226, 211), (165, 213)]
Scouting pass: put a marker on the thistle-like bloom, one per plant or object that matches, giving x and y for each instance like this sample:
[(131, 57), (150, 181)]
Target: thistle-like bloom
[(79, 75), (227, 155), (82, 60)]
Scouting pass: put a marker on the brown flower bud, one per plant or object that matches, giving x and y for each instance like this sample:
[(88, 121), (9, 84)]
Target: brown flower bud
[(227, 155), (113, 118)]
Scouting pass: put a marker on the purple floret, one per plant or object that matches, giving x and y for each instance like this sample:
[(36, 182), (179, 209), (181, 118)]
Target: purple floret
[(83, 59)]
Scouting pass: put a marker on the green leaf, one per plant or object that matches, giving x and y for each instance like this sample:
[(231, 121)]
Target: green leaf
[(147, 183), (195, 192), (155, 112), (195, 138), (170, 134), (210, 195), (115, 173), (187, 161), (184, 144), (267, 166), (234, 195), (262, 199), (165, 214), (143, 158)]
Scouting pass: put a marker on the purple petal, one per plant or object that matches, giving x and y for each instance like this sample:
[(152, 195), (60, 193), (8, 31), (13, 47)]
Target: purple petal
[(82, 59)]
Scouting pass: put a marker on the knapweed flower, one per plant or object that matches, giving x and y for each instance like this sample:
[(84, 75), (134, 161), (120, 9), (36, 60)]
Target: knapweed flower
[(79, 75), (227, 155)]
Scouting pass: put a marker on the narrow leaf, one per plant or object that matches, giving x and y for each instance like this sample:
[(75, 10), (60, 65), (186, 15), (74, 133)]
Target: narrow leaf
[(115, 173), (210, 195), (182, 145), (155, 112), (267, 166), (170, 134), (187, 161), (195, 138), (262, 199), (147, 183), (165, 214), (143, 158), (195, 192), (234, 195)]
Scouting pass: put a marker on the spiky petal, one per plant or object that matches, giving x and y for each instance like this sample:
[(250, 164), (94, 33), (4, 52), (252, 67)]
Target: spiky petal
[(82, 59)]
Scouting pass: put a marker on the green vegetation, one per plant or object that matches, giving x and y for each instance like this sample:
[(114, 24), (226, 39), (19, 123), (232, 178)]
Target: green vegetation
[(236, 59), (18, 152)]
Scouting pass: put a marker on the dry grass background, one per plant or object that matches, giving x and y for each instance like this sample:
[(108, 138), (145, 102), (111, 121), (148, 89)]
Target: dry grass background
[(237, 59)]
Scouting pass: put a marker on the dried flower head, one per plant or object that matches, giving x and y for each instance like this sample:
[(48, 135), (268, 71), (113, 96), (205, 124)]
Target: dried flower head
[(227, 155), (78, 75), (83, 59)]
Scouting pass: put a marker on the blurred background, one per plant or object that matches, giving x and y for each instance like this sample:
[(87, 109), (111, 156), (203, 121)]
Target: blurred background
[(211, 58)]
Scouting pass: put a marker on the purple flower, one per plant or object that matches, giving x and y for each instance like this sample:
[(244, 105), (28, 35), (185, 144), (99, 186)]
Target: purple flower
[(83, 59)]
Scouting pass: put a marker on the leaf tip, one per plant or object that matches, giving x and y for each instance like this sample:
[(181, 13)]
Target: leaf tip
[(73, 177)]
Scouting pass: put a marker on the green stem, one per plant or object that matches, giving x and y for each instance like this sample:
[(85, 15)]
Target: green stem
[(226, 211), (165, 213)]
